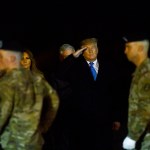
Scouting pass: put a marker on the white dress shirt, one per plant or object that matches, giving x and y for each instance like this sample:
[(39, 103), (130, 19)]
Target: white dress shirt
[(95, 65)]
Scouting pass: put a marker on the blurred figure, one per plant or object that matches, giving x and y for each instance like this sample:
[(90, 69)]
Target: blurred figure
[(59, 133), (28, 104), (62, 86), (136, 50), (91, 110)]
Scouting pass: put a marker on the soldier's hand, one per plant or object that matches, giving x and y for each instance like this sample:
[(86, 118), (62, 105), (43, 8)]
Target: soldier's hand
[(116, 126)]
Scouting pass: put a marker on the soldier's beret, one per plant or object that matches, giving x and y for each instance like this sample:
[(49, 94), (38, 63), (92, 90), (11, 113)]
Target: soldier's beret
[(133, 37), (12, 45)]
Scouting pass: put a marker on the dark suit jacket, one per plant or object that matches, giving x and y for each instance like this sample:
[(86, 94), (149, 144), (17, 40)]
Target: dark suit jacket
[(91, 107)]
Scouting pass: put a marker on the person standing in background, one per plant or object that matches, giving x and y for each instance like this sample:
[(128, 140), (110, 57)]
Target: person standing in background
[(59, 133), (65, 50), (138, 137)]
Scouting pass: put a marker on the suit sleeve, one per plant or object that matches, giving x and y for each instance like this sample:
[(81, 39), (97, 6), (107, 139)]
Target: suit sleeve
[(64, 68)]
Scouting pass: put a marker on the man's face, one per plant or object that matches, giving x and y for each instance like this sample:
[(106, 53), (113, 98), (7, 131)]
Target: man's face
[(66, 53), (3, 60), (131, 51), (90, 54)]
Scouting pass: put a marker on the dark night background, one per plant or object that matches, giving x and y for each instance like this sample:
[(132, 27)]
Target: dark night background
[(44, 26)]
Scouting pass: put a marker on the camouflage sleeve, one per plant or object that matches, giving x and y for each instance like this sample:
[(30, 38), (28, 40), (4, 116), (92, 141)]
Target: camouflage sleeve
[(50, 107), (139, 108), (6, 105)]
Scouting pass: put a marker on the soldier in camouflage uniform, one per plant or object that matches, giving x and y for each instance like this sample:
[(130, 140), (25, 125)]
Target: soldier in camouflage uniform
[(28, 105), (136, 51)]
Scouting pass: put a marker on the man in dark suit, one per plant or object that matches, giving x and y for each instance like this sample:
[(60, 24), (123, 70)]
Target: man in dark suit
[(57, 138), (91, 109)]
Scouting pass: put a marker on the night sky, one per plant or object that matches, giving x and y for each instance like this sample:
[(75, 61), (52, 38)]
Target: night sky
[(45, 26)]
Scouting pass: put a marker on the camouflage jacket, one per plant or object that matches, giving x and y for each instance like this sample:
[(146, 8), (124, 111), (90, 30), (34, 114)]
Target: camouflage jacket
[(28, 105), (139, 101)]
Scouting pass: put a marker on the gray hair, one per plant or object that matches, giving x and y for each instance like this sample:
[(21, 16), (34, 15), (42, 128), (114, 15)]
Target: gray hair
[(65, 47)]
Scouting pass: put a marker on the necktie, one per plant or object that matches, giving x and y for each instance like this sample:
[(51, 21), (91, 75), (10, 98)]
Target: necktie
[(93, 70)]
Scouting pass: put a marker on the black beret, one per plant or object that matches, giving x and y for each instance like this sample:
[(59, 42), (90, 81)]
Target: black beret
[(133, 37), (12, 45)]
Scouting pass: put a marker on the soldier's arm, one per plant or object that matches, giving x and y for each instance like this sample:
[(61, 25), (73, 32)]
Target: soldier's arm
[(54, 104), (50, 107), (139, 113), (6, 105)]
